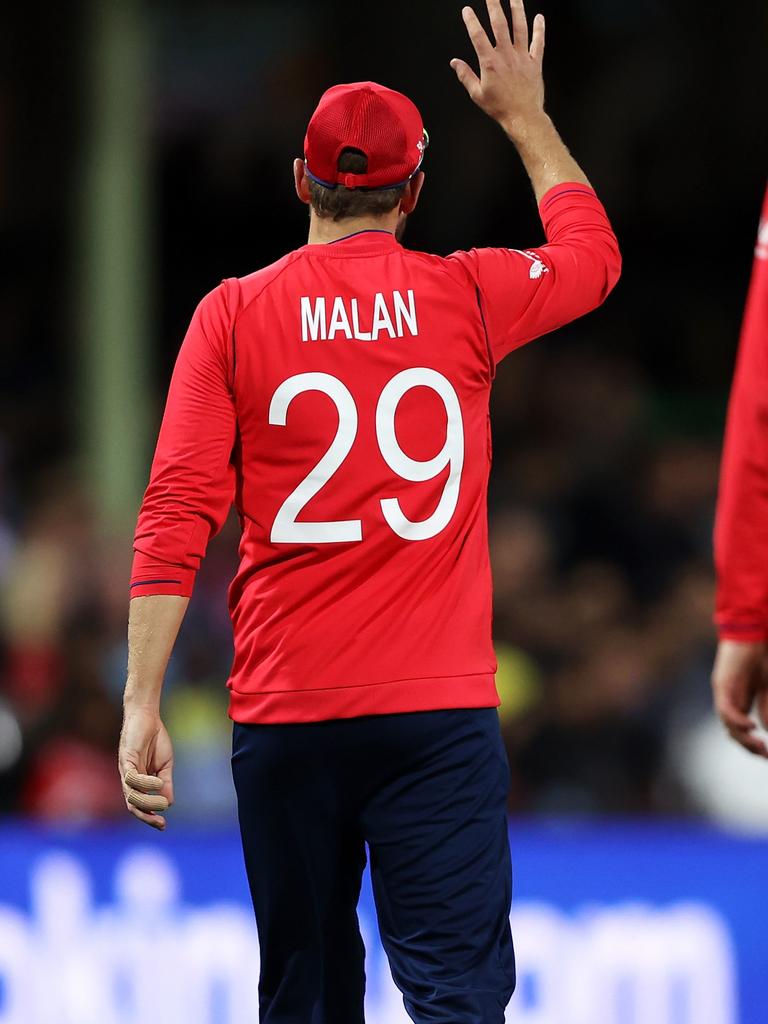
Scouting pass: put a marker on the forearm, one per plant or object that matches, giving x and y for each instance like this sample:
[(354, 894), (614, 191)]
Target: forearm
[(544, 154), (153, 625)]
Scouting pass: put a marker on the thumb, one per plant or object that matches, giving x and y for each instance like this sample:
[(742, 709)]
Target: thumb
[(166, 774), (466, 76)]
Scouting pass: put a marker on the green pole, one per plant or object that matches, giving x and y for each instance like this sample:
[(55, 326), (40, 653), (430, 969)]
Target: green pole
[(115, 252)]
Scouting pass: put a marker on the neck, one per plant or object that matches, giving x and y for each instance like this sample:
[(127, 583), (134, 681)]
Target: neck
[(323, 230)]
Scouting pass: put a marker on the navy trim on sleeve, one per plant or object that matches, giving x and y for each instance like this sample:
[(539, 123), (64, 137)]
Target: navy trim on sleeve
[(146, 583), (569, 191)]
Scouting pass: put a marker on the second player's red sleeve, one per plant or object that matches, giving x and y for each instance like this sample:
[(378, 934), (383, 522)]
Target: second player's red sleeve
[(191, 484), (741, 524), (526, 293)]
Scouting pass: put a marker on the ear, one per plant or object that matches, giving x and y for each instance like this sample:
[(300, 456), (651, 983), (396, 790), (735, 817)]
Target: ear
[(300, 180), (412, 193)]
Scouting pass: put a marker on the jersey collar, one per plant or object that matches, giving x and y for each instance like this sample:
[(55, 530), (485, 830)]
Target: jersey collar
[(369, 240)]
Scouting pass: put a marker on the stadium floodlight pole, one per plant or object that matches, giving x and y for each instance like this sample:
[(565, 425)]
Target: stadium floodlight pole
[(113, 247)]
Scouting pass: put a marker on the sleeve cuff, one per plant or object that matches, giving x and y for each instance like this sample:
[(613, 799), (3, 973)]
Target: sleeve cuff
[(150, 577), (566, 188), (746, 632)]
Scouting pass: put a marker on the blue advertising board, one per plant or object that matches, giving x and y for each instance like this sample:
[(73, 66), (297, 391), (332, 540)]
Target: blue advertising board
[(613, 924)]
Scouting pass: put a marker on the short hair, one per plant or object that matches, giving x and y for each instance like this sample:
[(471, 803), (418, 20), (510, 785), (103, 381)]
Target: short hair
[(340, 202)]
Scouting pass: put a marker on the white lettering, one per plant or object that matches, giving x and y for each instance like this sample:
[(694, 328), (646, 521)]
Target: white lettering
[(402, 313), (392, 318), (360, 335), (339, 320), (381, 318), (66, 958), (312, 323)]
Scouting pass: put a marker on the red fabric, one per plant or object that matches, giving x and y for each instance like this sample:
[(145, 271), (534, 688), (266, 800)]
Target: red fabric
[(741, 525), (382, 618), (382, 123)]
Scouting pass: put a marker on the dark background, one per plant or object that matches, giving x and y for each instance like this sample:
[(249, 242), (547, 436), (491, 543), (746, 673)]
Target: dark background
[(606, 434)]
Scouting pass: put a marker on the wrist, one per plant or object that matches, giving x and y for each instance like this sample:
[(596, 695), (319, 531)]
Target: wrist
[(519, 127), (141, 697)]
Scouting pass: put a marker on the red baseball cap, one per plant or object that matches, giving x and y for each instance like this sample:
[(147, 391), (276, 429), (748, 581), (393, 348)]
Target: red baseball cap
[(382, 123)]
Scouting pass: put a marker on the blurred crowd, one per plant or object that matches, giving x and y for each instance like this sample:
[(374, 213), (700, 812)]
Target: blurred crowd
[(62, 669), (600, 542)]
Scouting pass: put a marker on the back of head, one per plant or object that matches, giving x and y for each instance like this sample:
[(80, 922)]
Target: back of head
[(364, 143), (341, 202)]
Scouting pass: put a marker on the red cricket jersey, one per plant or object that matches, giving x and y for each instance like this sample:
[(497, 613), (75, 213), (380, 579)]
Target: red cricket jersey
[(340, 398), (741, 526)]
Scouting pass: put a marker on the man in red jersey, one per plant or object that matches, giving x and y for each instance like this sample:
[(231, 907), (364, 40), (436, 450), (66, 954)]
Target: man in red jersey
[(740, 676), (340, 398)]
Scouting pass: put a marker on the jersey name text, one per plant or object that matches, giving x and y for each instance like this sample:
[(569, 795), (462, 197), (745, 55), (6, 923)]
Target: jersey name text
[(388, 319)]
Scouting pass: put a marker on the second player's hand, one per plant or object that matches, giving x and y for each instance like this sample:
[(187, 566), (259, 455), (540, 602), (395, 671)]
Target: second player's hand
[(739, 685), (145, 763), (510, 88)]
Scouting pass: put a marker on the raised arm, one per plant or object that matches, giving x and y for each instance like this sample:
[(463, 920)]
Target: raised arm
[(526, 293), (510, 89)]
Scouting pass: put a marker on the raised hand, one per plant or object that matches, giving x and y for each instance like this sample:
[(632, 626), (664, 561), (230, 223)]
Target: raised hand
[(510, 88)]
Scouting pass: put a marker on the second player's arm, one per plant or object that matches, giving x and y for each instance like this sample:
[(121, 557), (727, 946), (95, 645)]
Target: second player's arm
[(740, 674)]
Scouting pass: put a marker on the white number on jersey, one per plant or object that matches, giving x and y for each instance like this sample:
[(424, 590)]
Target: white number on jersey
[(286, 529), (451, 454)]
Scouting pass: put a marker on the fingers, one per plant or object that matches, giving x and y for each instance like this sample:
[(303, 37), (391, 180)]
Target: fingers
[(144, 783), (143, 798), (734, 718), (537, 38), (738, 684), (153, 820), (478, 38), (519, 25), (499, 23), (750, 742), (762, 708), (466, 76), (167, 780), (146, 801), (741, 728)]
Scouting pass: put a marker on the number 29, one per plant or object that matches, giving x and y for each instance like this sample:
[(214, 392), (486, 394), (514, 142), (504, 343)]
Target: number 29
[(286, 529)]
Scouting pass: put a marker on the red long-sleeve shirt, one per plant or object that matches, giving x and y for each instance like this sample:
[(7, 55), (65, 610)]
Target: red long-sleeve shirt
[(741, 525), (340, 398)]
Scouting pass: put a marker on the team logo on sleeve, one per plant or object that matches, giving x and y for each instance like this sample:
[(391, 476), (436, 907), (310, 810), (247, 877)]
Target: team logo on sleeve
[(537, 268)]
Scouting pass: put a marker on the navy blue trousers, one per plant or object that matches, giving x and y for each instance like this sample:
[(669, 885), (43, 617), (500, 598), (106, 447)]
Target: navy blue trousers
[(427, 792)]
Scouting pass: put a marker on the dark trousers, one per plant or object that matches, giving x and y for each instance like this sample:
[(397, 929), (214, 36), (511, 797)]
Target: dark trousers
[(427, 792)]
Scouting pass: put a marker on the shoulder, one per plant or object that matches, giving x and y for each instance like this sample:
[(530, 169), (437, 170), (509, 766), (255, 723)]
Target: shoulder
[(224, 302), (471, 266), (456, 267), (243, 290)]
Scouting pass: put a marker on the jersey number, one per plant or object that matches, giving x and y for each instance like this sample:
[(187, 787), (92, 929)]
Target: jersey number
[(286, 529)]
